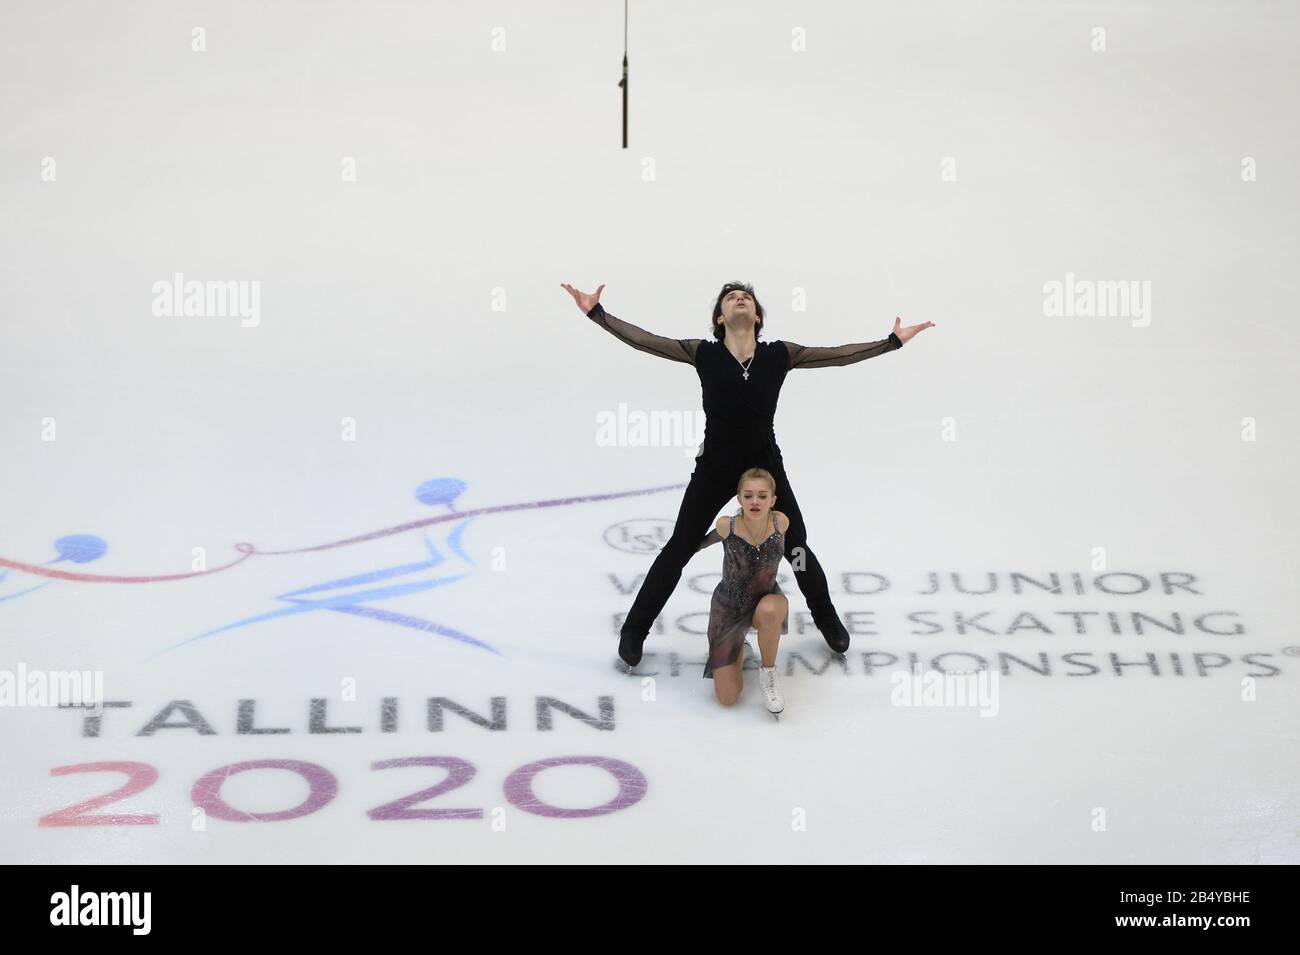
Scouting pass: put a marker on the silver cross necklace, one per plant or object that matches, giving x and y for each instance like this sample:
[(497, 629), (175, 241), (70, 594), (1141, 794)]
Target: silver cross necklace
[(745, 364)]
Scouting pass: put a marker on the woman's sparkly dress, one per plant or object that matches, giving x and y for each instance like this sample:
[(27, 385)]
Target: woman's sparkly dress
[(748, 574)]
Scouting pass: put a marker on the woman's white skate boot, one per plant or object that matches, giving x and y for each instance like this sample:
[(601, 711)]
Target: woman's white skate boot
[(771, 692)]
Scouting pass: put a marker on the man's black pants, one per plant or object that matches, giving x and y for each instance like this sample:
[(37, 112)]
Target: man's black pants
[(712, 485)]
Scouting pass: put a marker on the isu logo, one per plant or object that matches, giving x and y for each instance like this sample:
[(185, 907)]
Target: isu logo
[(644, 535)]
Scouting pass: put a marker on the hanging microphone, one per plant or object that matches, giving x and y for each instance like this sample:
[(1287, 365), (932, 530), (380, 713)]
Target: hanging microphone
[(623, 81)]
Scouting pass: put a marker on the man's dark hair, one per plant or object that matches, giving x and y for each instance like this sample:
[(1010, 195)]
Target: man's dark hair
[(720, 331)]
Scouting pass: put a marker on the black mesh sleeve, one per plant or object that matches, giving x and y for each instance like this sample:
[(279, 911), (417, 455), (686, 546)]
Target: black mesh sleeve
[(818, 356), (675, 349)]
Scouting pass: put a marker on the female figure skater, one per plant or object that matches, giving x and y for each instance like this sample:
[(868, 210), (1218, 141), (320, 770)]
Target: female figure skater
[(752, 546), (740, 380)]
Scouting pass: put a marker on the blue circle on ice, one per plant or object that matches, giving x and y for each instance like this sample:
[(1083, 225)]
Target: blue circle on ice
[(439, 491), (80, 548)]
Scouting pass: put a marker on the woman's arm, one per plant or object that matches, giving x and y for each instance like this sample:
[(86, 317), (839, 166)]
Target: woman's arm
[(715, 535), (675, 349)]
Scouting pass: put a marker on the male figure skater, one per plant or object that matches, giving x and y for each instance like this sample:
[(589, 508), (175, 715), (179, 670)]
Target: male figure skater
[(740, 378)]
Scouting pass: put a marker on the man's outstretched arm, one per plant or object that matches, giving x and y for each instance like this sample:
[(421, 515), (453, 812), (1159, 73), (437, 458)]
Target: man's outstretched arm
[(818, 356), (675, 349)]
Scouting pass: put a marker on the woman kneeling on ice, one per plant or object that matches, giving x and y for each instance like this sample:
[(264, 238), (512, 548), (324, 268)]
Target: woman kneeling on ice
[(752, 545)]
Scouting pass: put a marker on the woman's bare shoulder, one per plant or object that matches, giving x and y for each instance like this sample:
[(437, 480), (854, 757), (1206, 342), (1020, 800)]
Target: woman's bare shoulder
[(723, 526), (782, 522)]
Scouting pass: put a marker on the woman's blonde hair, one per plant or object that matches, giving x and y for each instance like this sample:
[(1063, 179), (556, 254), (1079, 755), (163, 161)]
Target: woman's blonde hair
[(756, 474)]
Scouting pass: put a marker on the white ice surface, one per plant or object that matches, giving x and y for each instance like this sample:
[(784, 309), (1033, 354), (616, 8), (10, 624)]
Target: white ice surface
[(421, 305)]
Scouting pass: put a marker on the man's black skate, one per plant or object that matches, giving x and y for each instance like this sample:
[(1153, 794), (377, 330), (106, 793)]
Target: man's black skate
[(629, 648), (837, 638)]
